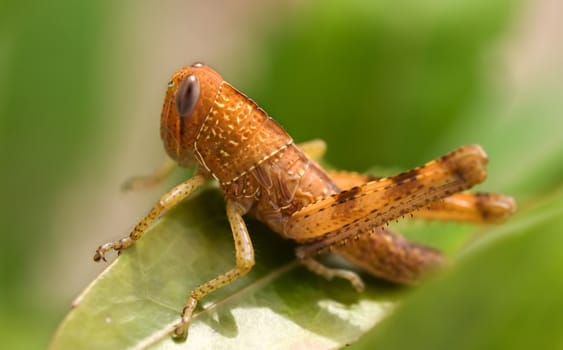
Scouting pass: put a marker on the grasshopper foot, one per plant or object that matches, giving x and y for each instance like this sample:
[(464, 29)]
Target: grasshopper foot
[(180, 332), (99, 255), (117, 246), (330, 273)]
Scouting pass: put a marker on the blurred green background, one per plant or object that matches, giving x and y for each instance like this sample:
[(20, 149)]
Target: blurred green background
[(385, 83)]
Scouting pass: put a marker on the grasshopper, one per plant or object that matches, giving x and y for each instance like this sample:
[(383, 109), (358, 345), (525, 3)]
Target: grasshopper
[(208, 123)]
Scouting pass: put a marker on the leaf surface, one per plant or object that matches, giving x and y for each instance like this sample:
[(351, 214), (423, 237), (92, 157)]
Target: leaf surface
[(278, 305)]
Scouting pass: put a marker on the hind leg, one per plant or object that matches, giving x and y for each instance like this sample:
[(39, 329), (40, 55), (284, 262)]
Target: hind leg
[(473, 207)]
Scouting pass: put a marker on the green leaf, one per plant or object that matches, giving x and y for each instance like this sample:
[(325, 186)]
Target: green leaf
[(133, 303), (413, 90), (381, 81), (504, 294)]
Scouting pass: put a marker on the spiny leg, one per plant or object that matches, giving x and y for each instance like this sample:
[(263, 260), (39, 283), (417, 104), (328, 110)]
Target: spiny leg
[(473, 207), (380, 252), (338, 220), (169, 200), (148, 181), (244, 261), (375, 203)]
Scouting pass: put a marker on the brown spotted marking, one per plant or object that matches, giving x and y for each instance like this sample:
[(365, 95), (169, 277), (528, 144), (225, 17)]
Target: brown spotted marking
[(347, 195)]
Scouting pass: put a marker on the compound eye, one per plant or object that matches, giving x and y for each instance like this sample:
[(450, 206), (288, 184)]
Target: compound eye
[(187, 95)]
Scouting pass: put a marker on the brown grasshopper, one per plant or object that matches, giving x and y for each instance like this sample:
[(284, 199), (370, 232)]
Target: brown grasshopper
[(261, 171)]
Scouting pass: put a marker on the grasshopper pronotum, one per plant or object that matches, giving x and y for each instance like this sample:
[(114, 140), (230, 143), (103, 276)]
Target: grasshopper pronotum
[(207, 122)]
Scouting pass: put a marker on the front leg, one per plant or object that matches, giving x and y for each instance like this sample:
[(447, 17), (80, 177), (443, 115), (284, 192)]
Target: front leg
[(169, 200), (244, 253)]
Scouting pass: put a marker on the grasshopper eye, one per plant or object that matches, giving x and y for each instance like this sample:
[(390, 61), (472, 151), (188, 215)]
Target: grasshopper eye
[(187, 95)]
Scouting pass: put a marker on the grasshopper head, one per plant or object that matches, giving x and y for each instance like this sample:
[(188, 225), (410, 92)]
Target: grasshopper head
[(190, 94)]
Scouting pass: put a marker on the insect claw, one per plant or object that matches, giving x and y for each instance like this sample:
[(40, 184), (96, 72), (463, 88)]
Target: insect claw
[(180, 333), (358, 285), (99, 256)]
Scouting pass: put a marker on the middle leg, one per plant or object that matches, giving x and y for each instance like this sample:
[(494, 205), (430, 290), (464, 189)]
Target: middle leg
[(244, 253)]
